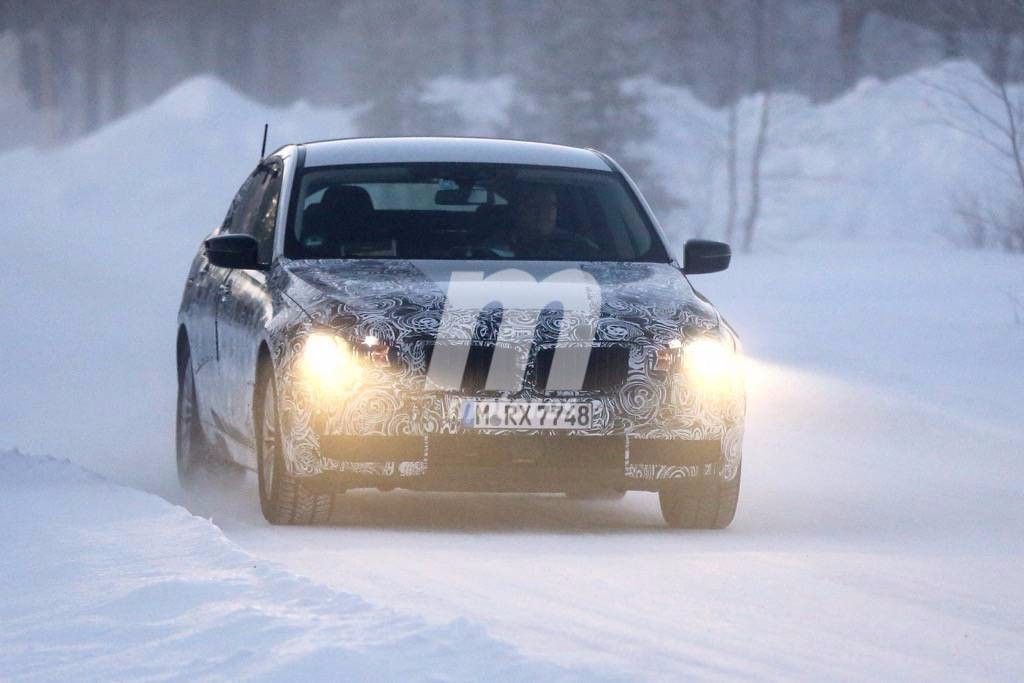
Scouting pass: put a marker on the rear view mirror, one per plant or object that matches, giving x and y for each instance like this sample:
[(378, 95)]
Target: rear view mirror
[(234, 251), (464, 196), (705, 256)]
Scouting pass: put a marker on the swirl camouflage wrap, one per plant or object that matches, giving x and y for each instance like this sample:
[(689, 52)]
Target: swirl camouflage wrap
[(645, 312)]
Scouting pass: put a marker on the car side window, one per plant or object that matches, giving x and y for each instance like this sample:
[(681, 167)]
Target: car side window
[(264, 219), (234, 220), (254, 209)]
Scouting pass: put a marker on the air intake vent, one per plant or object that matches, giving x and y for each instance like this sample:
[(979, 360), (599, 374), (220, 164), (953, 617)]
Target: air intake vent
[(607, 368), (478, 365)]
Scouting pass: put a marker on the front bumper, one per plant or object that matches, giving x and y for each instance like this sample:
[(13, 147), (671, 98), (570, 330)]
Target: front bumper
[(384, 439), (392, 432), (520, 462)]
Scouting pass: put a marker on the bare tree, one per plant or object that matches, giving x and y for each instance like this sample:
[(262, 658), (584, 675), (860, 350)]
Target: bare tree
[(498, 17), (118, 59), (730, 23), (92, 28), (1017, 302), (722, 22), (975, 219), (852, 16), (732, 169), (763, 83), (756, 160), (992, 114)]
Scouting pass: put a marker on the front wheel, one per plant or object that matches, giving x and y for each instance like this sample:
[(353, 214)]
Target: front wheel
[(284, 499), (689, 504)]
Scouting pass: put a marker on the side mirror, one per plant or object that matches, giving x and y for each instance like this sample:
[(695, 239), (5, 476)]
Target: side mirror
[(705, 256), (234, 251)]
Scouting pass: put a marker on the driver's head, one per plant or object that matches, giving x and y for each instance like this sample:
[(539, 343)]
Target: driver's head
[(535, 211)]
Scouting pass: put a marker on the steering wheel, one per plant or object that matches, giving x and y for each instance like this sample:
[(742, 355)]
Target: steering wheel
[(571, 244)]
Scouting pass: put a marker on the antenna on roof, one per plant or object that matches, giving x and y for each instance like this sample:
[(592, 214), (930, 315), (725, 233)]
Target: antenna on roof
[(263, 149)]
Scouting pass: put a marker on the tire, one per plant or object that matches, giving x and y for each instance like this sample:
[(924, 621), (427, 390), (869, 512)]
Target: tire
[(191, 448), (686, 505), (284, 499)]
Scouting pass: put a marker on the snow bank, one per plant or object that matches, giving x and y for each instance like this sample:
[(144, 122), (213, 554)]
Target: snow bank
[(98, 237), (876, 163), (105, 582), (482, 106)]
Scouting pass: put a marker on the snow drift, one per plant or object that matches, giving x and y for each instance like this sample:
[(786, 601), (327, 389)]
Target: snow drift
[(104, 582)]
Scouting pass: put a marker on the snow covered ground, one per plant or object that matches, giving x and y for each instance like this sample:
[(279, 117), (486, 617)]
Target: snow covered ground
[(103, 582), (881, 520)]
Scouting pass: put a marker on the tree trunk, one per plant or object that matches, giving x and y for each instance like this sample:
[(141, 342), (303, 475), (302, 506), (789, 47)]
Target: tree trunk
[(195, 50), (284, 57), (1000, 56), (754, 210), (54, 71), (470, 39), (952, 45), (852, 15), (495, 35), (91, 68), (118, 63), (30, 60), (762, 81), (731, 170)]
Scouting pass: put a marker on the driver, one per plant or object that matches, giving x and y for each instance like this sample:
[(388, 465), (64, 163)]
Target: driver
[(532, 225), (535, 213)]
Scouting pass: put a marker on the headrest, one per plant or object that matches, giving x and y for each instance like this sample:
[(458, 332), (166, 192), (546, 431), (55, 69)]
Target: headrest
[(349, 201)]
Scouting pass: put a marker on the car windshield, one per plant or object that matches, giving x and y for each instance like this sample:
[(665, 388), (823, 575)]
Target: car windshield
[(468, 211)]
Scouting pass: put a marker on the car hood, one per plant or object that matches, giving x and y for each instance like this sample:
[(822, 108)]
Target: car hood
[(398, 299)]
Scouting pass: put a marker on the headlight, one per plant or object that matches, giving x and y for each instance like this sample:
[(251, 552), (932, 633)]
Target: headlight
[(328, 365), (712, 365)]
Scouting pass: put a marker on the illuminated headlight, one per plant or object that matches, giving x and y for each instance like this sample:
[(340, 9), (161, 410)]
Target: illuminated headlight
[(712, 366), (328, 365)]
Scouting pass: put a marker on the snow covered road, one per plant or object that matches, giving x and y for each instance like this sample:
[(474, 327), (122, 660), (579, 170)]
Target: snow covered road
[(869, 539)]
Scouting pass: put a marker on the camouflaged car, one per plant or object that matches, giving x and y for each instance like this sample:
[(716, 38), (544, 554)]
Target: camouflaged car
[(455, 314)]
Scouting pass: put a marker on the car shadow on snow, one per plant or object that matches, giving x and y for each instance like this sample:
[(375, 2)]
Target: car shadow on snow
[(456, 512)]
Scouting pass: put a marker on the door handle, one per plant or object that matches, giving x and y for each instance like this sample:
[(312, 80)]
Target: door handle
[(225, 290)]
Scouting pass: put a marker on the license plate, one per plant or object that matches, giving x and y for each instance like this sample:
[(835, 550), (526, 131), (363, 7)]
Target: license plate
[(527, 415)]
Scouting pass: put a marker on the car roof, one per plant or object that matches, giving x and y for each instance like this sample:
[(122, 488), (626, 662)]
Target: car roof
[(449, 149)]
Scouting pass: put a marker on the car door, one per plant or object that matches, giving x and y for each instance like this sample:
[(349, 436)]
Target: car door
[(209, 284), (200, 311), (243, 314)]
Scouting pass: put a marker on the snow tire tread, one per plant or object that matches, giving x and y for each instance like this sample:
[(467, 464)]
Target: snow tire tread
[(291, 501), (708, 505)]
